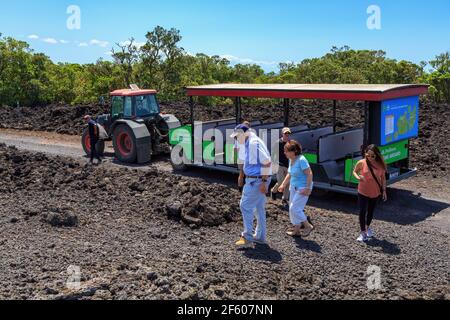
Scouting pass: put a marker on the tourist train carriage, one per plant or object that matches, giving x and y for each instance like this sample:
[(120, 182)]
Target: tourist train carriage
[(391, 117)]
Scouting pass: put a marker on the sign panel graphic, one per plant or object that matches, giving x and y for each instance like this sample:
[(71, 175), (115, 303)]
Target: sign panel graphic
[(399, 119)]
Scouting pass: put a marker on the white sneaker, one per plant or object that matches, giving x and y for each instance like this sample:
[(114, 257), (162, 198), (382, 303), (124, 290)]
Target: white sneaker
[(362, 237), (370, 233)]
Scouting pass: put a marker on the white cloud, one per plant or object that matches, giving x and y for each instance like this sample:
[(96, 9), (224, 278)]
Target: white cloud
[(235, 59), (83, 44), (33, 36), (99, 43), (137, 44), (50, 40), (64, 41)]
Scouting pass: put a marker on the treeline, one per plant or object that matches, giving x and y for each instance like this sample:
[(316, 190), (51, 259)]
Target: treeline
[(28, 78)]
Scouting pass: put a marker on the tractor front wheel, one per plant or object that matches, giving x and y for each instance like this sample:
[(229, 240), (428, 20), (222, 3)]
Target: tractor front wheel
[(86, 143), (124, 143)]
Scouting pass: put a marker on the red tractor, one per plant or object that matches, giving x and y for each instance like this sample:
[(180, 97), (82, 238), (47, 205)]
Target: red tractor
[(135, 126)]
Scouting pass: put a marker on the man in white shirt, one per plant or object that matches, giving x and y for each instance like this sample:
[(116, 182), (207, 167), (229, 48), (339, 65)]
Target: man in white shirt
[(258, 172)]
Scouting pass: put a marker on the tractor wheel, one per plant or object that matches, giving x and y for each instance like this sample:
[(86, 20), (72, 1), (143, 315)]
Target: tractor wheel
[(86, 143), (178, 159), (124, 143)]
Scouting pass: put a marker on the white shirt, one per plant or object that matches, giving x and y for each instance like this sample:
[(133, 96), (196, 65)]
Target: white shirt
[(258, 155)]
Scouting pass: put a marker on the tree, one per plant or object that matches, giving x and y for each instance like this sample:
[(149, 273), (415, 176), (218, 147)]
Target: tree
[(439, 78), (28, 78), (126, 57), (20, 74), (162, 60)]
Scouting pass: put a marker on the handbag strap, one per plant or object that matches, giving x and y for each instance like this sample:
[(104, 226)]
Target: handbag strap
[(374, 176)]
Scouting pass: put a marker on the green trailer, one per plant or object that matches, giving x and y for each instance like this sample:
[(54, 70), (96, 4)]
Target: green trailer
[(391, 119)]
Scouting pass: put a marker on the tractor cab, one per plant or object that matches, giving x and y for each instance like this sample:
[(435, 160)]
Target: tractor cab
[(134, 104)]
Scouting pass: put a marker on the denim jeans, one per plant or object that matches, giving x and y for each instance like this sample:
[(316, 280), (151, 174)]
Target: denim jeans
[(253, 203)]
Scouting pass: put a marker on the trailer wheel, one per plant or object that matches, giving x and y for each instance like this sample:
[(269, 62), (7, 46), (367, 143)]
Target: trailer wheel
[(178, 158), (86, 143), (124, 143)]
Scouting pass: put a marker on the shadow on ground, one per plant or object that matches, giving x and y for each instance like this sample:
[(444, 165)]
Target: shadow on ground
[(403, 206), (385, 246), (305, 244), (263, 253)]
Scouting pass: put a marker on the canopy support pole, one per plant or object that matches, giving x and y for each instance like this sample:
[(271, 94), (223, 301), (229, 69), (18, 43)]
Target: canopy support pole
[(366, 124), (191, 107), (286, 112), (334, 115), (238, 107)]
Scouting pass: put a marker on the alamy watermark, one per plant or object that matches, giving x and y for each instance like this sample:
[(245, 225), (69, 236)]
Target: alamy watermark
[(374, 19), (374, 278), (74, 280), (74, 20)]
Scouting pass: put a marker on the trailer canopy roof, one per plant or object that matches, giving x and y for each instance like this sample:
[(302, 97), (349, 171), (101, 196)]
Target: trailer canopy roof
[(355, 92), (130, 92)]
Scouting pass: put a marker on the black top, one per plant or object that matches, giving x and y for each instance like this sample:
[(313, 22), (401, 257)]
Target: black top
[(283, 160), (93, 130)]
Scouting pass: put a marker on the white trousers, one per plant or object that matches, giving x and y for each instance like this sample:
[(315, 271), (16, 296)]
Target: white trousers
[(297, 207)]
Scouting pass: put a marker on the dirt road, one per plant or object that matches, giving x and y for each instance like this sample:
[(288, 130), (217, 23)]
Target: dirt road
[(48, 142)]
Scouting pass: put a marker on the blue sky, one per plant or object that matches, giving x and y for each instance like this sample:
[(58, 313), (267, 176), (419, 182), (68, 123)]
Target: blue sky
[(261, 31)]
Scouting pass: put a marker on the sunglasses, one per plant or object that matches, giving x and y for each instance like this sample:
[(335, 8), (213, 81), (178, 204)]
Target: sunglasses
[(372, 156)]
